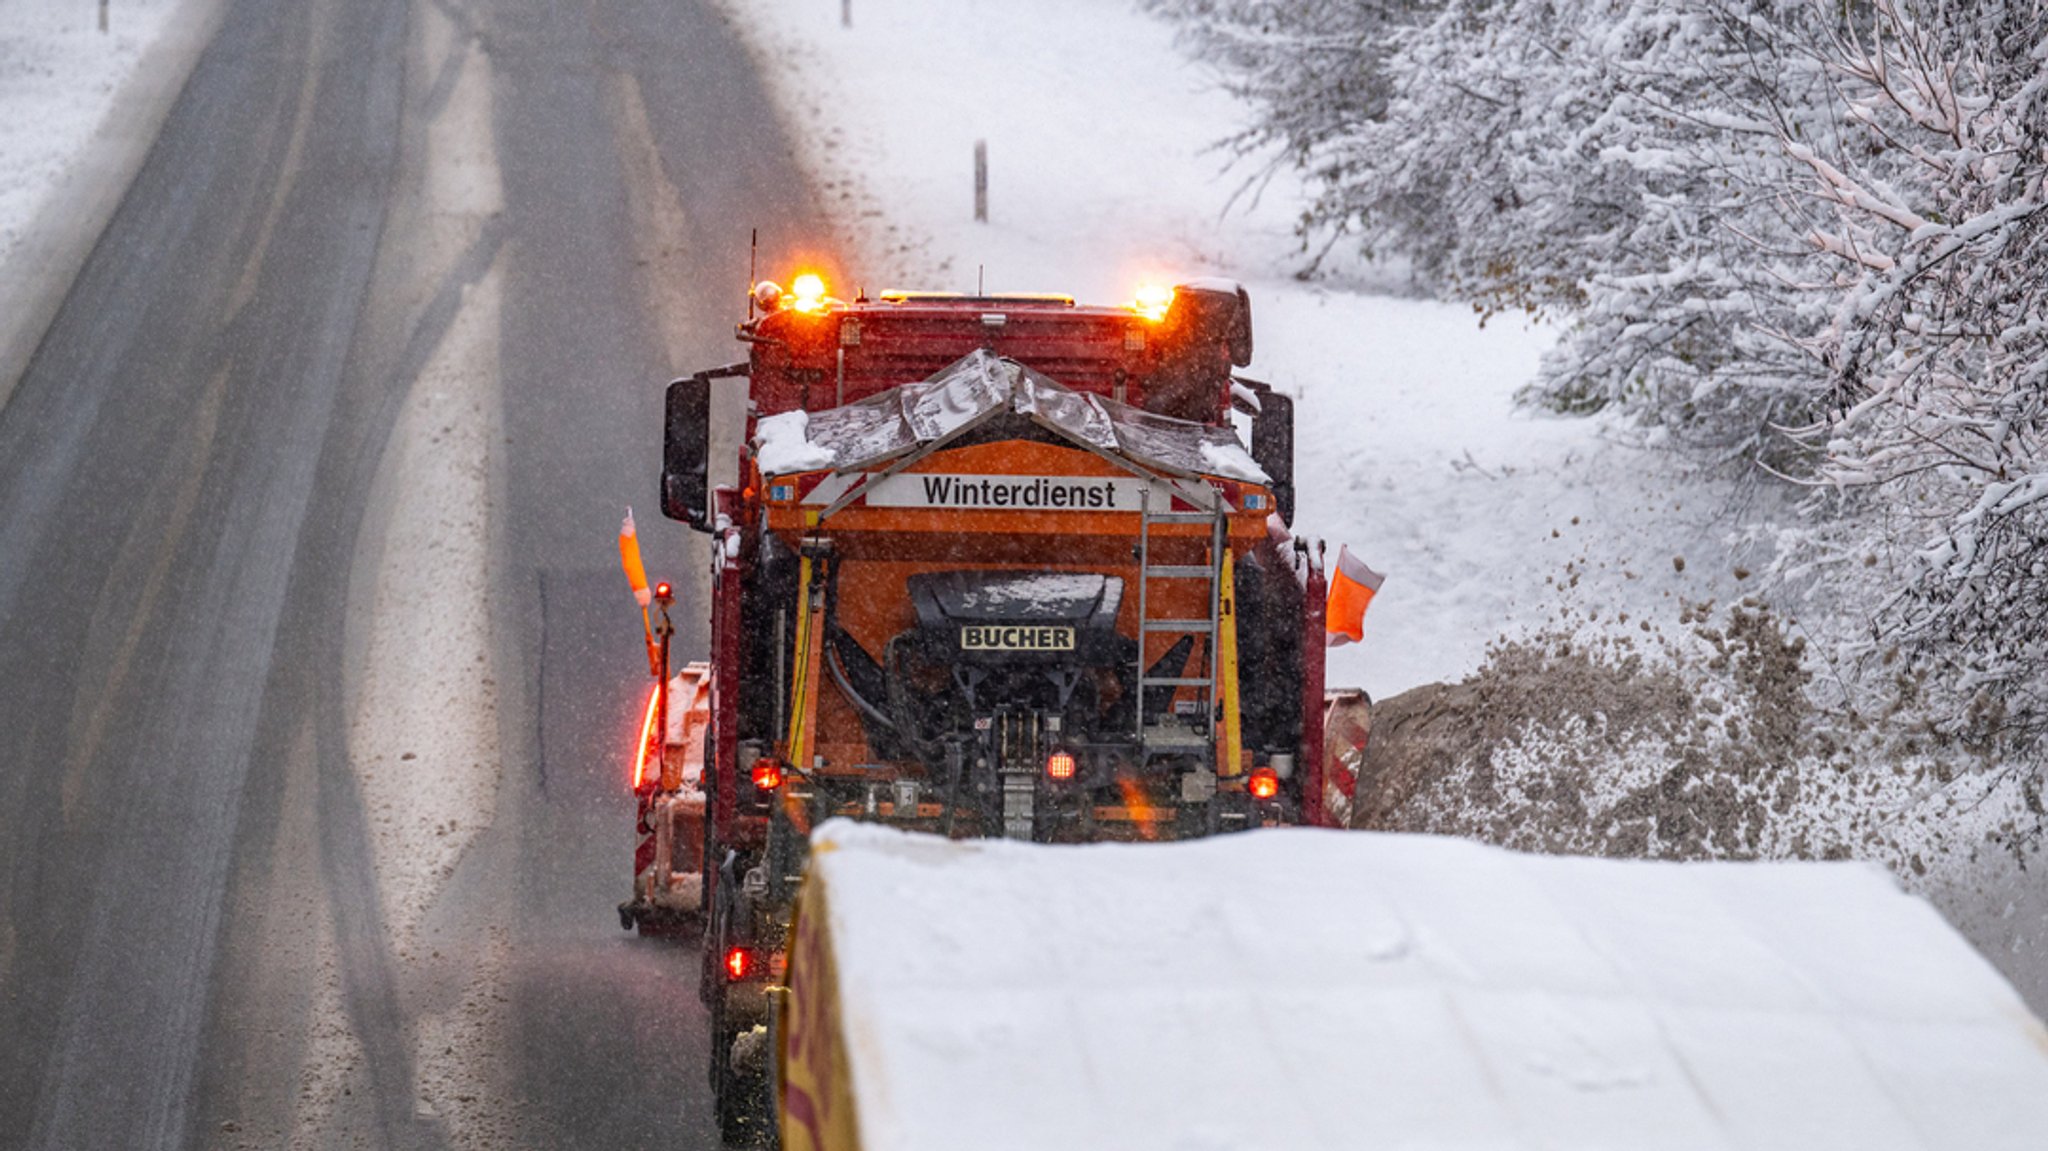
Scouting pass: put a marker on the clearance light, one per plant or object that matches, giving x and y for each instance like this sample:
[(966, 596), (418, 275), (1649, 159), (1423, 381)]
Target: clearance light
[(1060, 765), (1152, 300), (1264, 783), (739, 963), (809, 290), (646, 739), (767, 775)]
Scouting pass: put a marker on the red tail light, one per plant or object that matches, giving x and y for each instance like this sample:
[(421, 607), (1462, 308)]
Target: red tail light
[(739, 963), (1060, 765), (767, 774), (1264, 783)]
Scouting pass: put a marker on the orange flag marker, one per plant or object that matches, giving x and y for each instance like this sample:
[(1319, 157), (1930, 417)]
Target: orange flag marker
[(1352, 586), (629, 558)]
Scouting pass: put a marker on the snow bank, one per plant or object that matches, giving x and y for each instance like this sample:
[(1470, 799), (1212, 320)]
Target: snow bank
[(59, 75), (81, 106), (1325, 989)]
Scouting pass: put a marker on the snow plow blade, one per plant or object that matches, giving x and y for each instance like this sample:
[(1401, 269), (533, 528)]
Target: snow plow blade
[(1226, 993), (668, 883)]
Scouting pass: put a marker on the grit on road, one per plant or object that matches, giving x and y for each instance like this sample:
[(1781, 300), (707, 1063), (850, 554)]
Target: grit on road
[(319, 673)]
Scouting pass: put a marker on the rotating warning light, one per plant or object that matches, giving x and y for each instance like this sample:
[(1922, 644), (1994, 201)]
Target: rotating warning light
[(809, 290), (739, 963), (1152, 300), (1264, 783), (663, 592), (768, 294), (767, 775), (1060, 765)]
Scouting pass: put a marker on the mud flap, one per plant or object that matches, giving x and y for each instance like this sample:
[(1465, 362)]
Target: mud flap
[(1347, 729)]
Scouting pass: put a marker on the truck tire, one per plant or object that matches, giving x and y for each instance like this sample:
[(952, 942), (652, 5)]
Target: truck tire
[(740, 1098), (728, 1092), (739, 1095)]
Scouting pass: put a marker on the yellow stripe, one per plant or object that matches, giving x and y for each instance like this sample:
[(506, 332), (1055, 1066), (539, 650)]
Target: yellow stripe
[(1226, 650), (800, 687), (816, 1107)]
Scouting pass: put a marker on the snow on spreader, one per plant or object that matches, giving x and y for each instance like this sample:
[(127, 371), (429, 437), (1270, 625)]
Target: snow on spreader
[(1296, 988)]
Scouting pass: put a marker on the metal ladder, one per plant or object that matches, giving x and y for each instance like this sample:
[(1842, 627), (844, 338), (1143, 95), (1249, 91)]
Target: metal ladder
[(1172, 737)]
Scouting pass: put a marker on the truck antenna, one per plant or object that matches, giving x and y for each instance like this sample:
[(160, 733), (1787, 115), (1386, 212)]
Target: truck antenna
[(980, 280), (753, 267)]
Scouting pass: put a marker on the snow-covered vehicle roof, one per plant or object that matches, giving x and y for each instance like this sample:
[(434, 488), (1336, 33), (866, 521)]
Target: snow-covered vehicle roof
[(1318, 989), (979, 386)]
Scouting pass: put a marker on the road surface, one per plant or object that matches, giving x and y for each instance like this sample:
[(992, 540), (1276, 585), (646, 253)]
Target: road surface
[(319, 675)]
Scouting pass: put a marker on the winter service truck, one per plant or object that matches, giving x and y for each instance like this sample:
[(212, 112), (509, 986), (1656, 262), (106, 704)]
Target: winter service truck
[(991, 565)]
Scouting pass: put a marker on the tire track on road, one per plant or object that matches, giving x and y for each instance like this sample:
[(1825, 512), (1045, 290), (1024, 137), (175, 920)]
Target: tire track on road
[(219, 669), (372, 987), (364, 1075)]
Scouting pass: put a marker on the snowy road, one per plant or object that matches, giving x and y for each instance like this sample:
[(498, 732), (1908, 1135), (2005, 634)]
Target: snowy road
[(318, 670)]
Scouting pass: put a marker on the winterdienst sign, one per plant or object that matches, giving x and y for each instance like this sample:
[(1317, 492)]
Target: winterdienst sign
[(1026, 493)]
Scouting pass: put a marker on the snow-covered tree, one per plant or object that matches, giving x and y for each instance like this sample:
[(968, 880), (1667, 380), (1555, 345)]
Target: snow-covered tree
[(1606, 162), (1316, 70), (1931, 214), (1806, 234)]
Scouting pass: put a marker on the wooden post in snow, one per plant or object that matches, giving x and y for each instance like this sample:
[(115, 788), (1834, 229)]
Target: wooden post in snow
[(981, 181)]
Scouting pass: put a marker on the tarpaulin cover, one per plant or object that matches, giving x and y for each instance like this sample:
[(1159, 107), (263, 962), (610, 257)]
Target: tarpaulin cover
[(1324, 989), (981, 384)]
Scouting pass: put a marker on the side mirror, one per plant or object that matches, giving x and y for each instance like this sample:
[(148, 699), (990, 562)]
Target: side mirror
[(686, 453), (1273, 447)]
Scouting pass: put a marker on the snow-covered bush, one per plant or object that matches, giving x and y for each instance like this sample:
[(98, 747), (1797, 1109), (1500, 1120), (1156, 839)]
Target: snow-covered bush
[(1701, 741)]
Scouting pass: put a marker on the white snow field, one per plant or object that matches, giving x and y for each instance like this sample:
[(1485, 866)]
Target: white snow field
[(1102, 174), (1318, 989)]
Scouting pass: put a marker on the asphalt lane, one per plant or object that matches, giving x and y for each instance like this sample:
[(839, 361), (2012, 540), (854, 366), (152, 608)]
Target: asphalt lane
[(186, 487), (612, 1039), (158, 458)]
